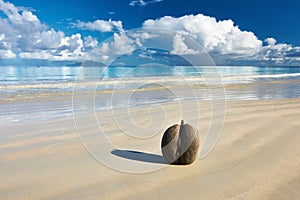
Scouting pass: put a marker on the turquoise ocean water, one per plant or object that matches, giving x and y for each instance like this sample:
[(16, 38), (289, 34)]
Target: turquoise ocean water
[(239, 82), (30, 79)]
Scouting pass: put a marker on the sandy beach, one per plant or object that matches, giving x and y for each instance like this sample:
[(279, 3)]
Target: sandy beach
[(97, 98), (256, 157)]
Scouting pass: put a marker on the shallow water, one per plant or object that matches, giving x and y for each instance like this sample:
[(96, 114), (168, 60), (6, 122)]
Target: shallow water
[(31, 93), (49, 75)]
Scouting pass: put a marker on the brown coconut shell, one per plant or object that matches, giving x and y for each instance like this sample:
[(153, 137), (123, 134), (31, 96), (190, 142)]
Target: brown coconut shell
[(180, 144)]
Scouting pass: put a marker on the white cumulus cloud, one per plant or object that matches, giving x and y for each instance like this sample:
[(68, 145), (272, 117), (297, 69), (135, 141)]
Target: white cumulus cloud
[(270, 41), (6, 54), (120, 44), (180, 48), (225, 41), (100, 25), (90, 42), (22, 34), (221, 37)]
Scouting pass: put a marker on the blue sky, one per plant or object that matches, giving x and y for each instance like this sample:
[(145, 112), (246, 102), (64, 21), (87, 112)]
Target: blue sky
[(237, 29)]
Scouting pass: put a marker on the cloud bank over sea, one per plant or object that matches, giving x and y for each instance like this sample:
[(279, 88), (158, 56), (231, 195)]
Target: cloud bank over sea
[(23, 35)]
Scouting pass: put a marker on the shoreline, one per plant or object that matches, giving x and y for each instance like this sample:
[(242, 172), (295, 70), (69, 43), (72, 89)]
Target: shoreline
[(43, 89), (50, 104)]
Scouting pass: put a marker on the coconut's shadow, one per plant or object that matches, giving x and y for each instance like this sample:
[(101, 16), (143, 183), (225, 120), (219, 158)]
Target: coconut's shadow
[(139, 156)]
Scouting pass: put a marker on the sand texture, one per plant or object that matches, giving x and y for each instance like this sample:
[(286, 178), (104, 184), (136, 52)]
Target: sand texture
[(257, 157)]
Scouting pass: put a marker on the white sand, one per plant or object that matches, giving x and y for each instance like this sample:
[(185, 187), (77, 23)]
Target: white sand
[(257, 157)]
